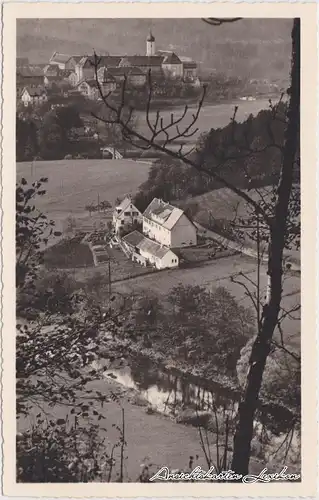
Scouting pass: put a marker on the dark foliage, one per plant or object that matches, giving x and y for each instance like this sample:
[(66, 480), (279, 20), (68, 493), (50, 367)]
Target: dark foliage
[(246, 154)]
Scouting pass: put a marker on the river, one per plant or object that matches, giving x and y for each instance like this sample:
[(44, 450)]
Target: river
[(210, 116), (189, 398), (168, 389)]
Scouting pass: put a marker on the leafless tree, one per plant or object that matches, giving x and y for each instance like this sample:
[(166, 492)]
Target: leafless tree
[(275, 222)]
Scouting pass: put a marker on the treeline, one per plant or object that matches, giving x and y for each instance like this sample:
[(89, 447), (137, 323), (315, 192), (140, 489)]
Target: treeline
[(54, 134), (48, 137), (247, 154), (192, 324)]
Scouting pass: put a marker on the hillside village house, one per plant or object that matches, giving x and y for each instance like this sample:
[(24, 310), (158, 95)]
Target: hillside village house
[(89, 88), (168, 225), (126, 214), (148, 252), (28, 76), (34, 95)]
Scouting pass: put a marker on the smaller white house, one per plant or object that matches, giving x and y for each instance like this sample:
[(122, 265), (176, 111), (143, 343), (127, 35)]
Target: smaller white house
[(126, 214), (33, 95), (148, 252)]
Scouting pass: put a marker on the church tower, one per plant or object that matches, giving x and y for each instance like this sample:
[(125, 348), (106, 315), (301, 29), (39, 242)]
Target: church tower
[(150, 45)]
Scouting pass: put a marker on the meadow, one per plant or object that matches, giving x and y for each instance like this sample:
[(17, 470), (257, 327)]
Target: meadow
[(73, 184)]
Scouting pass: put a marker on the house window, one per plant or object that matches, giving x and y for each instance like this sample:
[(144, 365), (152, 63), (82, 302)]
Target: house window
[(122, 222), (127, 213)]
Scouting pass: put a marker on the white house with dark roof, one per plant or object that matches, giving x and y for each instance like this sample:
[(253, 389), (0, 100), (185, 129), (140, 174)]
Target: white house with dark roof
[(126, 214), (168, 225), (147, 252), (34, 95), (171, 64)]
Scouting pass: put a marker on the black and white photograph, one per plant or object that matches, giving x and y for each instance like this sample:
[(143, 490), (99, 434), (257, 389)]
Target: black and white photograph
[(158, 268)]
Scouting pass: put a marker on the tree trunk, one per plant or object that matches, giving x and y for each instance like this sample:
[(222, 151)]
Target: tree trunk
[(261, 346)]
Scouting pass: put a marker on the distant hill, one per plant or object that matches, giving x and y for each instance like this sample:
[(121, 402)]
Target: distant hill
[(256, 48)]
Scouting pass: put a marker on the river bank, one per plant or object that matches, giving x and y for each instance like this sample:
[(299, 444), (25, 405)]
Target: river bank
[(205, 376), (152, 435)]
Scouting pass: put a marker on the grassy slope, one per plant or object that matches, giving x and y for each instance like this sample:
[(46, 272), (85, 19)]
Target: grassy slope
[(157, 437), (224, 204), (73, 184)]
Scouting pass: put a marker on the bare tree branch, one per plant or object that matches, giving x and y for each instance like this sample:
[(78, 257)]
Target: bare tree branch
[(218, 21)]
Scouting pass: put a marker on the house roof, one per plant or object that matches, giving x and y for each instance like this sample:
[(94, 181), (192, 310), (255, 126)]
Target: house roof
[(134, 238), (77, 58), (124, 205), (136, 71), (52, 78), (138, 240), (166, 215), (30, 71), (57, 57), (148, 61), (126, 70), (171, 58), (82, 61), (35, 91), (108, 61), (150, 37)]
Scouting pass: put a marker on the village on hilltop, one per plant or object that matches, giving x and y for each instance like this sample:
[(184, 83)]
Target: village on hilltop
[(75, 74)]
